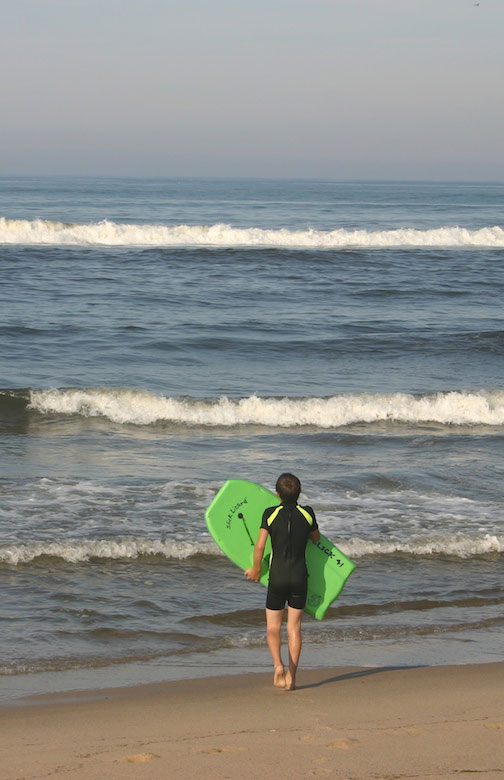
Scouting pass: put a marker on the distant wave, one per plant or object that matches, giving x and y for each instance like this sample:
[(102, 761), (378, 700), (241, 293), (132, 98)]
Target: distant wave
[(18, 231), (81, 551), (143, 408)]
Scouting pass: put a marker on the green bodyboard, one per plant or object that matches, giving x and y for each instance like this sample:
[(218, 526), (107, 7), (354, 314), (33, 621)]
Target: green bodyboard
[(234, 518)]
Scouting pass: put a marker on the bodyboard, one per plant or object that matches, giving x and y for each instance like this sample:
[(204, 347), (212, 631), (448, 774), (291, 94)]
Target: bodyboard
[(234, 518)]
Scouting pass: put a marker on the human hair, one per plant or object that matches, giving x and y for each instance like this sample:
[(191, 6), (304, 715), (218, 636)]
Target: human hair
[(288, 487)]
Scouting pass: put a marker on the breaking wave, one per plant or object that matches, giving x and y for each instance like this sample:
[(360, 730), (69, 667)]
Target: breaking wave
[(143, 408), (80, 551), (105, 233), (457, 545)]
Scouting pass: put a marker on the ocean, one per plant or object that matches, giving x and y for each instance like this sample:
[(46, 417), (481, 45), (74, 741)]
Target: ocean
[(159, 336)]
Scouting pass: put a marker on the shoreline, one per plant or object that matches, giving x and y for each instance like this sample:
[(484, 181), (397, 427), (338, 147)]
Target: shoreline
[(381, 722), (308, 678)]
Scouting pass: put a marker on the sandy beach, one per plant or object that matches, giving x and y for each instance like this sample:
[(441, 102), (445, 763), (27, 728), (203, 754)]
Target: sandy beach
[(430, 722)]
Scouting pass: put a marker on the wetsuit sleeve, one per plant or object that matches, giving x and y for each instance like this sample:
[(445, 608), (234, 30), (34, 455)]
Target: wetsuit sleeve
[(314, 527)]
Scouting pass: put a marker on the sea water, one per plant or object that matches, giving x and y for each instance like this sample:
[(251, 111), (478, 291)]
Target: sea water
[(160, 336)]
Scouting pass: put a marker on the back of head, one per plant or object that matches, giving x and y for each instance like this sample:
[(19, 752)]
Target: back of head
[(288, 488)]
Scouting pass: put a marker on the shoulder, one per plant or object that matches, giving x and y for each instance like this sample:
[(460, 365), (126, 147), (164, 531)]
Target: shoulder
[(308, 510), (268, 513)]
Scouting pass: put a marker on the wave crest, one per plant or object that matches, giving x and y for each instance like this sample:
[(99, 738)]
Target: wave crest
[(143, 408), (458, 546), (80, 551), (105, 233)]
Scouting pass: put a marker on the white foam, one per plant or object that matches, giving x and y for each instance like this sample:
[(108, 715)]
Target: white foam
[(459, 546), (143, 408), (79, 551), (105, 233), (403, 512)]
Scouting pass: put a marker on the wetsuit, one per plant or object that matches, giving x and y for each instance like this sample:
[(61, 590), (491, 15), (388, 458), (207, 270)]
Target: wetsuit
[(289, 527)]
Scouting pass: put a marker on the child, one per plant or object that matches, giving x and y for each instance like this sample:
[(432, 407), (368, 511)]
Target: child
[(290, 526)]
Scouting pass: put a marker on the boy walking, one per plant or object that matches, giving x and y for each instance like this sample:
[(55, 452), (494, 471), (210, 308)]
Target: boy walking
[(290, 527)]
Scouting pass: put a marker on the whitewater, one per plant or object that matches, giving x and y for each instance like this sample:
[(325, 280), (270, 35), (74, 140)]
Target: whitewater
[(143, 408), (106, 233), (84, 550)]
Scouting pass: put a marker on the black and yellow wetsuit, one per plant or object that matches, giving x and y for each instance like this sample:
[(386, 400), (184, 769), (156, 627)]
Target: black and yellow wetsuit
[(289, 527)]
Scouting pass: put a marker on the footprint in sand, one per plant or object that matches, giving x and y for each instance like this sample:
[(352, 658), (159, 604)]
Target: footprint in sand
[(308, 738), (343, 744), (494, 726), (138, 758), (231, 749)]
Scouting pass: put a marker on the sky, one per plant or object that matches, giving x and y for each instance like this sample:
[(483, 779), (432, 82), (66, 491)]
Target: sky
[(342, 89)]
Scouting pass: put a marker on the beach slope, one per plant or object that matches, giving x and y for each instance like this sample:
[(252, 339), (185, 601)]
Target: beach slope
[(430, 722)]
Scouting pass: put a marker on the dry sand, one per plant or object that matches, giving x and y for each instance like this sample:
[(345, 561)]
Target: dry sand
[(437, 722)]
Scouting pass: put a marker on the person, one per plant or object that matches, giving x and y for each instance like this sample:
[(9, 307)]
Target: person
[(290, 528)]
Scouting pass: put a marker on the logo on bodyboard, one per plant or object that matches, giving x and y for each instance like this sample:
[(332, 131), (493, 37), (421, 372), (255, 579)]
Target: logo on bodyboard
[(330, 554), (241, 517), (233, 511)]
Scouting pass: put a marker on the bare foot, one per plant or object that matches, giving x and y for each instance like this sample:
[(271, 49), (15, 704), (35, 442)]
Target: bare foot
[(279, 677), (290, 683)]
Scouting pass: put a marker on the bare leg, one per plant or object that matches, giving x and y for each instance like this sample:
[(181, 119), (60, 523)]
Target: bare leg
[(294, 617), (273, 635)]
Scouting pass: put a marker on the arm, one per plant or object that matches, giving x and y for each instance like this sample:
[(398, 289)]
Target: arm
[(315, 534), (255, 572)]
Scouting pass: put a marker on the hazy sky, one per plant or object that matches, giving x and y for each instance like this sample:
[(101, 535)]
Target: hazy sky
[(296, 88)]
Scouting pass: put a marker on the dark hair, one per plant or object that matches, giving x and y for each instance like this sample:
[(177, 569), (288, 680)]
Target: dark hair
[(288, 487)]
